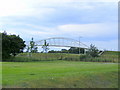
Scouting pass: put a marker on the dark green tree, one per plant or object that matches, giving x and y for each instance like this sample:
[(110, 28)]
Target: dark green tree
[(11, 45), (6, 50), (17, 44)]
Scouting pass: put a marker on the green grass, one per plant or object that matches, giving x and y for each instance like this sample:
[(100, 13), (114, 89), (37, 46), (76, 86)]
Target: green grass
[(23, 57), (110, 55), (107, 56), (59, 74)]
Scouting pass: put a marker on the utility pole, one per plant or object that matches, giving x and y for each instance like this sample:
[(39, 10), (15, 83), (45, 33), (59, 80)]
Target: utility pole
[(79, 43)]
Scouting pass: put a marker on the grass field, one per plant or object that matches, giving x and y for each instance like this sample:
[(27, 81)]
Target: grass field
[(59, 74)]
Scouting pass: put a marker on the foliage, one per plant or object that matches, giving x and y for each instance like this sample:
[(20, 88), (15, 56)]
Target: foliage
[(76, 50), (45, 46), (11, 45), (0, 47), (32, 48), (6, 50), (53, 51), (62, 51), (71, 50), (93, 51)]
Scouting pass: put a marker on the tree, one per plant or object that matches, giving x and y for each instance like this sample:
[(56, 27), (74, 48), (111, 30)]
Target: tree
[(11, 45), (0, 46), (45, 46), (17, 44), (32, 48), (6, 50), (93, 51)]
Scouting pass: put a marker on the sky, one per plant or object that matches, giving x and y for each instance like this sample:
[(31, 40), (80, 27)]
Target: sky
[(96, 21)]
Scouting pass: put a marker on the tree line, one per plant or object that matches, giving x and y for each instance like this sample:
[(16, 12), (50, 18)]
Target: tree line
[(73, 50)]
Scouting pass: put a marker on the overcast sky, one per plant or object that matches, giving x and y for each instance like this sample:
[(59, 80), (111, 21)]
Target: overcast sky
[(96, 21)]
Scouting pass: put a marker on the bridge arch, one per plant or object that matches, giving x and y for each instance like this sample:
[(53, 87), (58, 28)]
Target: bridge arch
[(61, 42)]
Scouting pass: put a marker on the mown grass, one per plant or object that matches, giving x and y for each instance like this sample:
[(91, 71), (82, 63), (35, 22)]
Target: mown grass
[(59, 74)]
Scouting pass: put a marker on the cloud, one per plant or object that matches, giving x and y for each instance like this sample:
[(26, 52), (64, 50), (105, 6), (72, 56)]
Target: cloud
[(11, 7), (56, 12), (105, 45), (42, 7), (96, 30), (93, 33), (22, 8), (89, 30), (95, 20)]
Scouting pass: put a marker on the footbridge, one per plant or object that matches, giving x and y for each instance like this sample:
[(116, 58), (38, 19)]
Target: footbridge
[(61, 42)]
